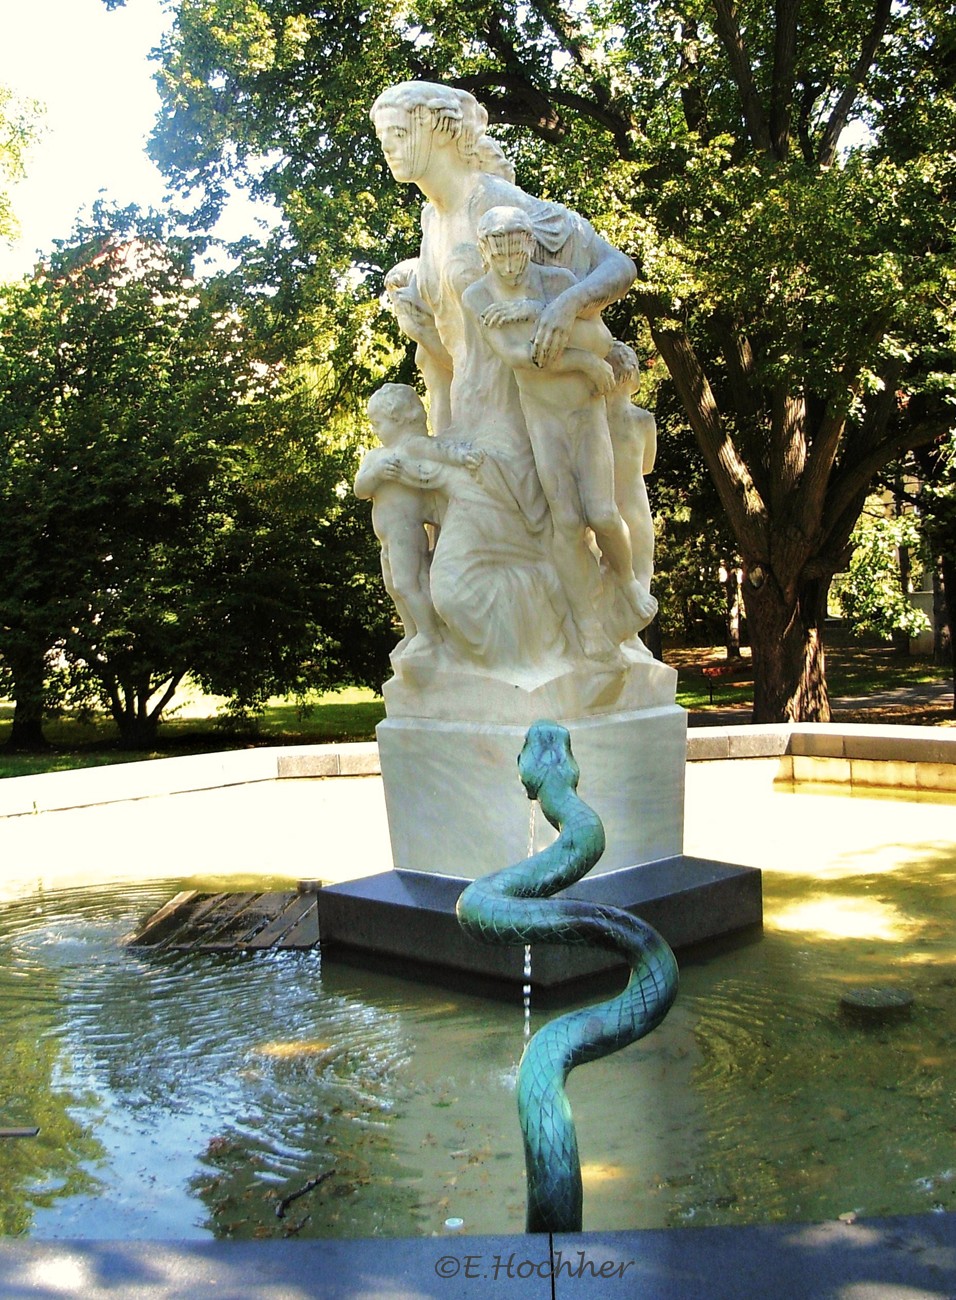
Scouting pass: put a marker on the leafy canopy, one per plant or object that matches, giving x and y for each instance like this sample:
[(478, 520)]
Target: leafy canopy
[(18, 127), (170, 505), (797, 280)]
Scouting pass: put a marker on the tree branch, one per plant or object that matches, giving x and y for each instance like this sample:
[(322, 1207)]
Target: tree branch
[(826, 151), (784, 59), (521, 104), (690, 91), (570, 36), (819, 464), (850, 481), (166, 696), (526, 104), (728, 30), (788, 445), (807, 99), (738, 493)]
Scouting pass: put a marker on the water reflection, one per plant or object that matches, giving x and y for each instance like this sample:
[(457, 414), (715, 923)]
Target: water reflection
[(189, 1095)]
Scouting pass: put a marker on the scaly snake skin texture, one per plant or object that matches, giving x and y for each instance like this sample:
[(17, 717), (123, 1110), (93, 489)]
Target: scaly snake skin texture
[(513, 906)]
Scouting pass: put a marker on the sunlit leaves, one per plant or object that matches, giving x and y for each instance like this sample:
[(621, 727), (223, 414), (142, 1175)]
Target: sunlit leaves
[(870, 594), (18, 126)]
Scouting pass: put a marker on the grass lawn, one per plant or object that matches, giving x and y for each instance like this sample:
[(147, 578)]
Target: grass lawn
[(853, 669), (192, 727)]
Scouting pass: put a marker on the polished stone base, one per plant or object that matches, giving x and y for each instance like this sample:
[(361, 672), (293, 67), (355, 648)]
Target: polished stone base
[(409, 918), (456, 806)]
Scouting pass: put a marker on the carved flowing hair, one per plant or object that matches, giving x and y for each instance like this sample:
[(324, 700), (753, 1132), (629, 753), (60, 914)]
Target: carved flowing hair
[(445, 108)]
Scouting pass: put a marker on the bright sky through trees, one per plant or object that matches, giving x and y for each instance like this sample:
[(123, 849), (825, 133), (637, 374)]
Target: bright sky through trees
[(89, 69)]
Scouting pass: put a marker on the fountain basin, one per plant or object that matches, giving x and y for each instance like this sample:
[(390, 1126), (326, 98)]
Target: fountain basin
[(754, 1103)]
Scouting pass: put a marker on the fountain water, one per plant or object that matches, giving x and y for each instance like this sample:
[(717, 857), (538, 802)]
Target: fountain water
[(261, 1071)]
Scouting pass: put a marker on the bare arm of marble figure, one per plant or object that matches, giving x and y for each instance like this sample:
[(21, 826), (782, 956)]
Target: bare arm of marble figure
[(369, 475), (516, 348), (416, 320), (444, 450), (397, 468), (518, 355), (611, 275), (386, 465)]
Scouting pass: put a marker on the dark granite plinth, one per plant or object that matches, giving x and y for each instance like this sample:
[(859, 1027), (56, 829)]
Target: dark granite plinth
[(411, 916)]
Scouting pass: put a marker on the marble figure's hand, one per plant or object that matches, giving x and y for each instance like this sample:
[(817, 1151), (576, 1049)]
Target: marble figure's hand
[(412, 314), (472, 457), (551, 336), (392, 467), (602, 377), (507, 313)]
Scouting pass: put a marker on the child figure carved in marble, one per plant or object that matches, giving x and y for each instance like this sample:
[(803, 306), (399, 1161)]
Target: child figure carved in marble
[(566, 416), (398, 477)]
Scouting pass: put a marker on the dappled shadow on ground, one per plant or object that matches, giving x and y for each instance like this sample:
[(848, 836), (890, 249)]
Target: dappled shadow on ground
[(867, 684)]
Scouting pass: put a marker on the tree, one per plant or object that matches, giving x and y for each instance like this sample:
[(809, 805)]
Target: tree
[(870, 593), (161, 517), (18, 126), (937, 505), (798, 290)]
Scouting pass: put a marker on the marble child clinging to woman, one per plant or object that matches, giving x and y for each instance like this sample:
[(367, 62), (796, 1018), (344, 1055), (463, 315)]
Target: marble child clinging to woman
[(400, 511)]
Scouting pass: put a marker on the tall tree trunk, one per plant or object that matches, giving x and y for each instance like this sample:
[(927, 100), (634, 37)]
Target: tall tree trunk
[(138, 732), (786, 637), (28, 669), (651, 636), (901, 639), (137, 720), (942, 628), (948, 567), (732, 613)]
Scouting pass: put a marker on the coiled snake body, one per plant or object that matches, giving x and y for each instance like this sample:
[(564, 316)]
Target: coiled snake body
[(513, 906)]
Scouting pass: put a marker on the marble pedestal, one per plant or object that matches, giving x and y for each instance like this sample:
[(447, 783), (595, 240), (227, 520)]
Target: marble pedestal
[(457, 810)]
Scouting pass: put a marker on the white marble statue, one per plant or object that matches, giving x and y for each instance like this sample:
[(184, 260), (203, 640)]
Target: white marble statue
[(539, 579), (565, 412)]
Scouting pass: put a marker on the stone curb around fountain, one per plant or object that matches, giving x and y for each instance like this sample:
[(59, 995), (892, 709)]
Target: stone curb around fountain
[(120, 782), (878, 1259), (929, 754), (852, 754)]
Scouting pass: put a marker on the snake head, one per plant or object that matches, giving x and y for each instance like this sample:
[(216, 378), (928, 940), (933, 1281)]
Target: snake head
[(547, 753)]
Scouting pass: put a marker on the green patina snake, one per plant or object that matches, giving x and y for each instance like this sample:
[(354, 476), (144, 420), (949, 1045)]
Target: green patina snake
[(514, 906)]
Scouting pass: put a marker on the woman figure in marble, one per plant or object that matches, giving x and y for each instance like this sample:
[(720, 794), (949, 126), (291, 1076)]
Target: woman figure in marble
[(434, 136)]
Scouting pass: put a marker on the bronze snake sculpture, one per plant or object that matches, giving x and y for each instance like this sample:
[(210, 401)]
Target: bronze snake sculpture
[(514, 906)]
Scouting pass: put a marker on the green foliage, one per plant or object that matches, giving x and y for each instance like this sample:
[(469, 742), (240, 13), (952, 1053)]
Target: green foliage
[(692, 540), (36, 1172), (170, 503), (798, 288), (18, 126), (938, 499), (88, 738), (870, 594)]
